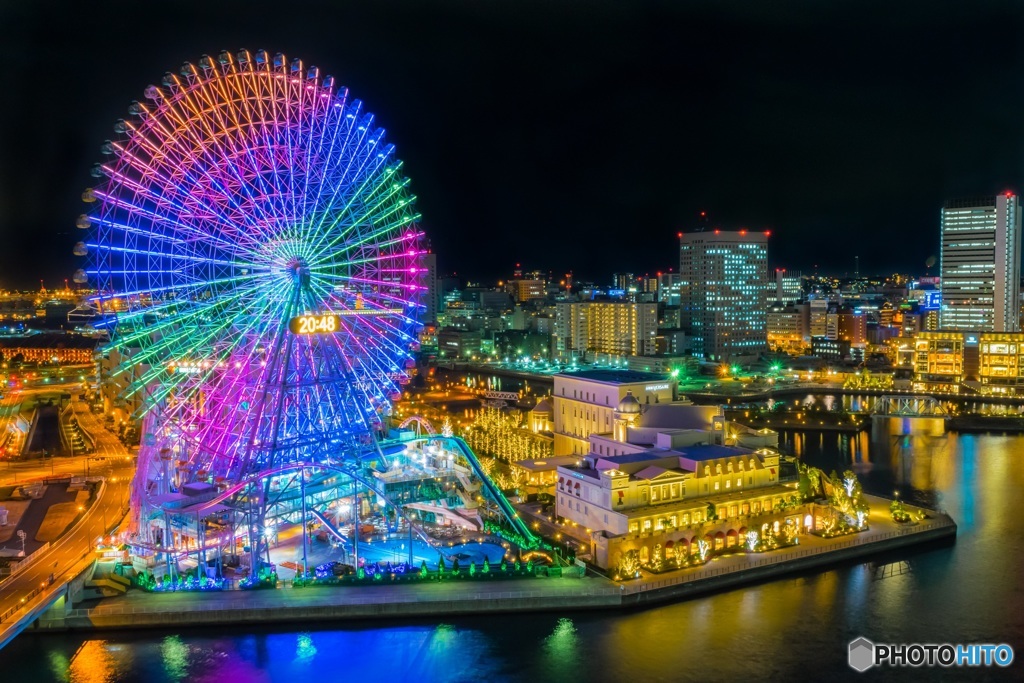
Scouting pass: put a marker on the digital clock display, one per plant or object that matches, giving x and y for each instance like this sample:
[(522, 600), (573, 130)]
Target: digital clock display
[(314, 324)]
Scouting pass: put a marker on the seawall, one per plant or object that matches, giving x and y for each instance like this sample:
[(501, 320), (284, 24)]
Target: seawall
[(475, 597)]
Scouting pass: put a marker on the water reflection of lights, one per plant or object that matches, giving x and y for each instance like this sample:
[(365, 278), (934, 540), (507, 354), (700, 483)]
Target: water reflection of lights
[(562, 647), (305, 650), (94, 662), (175, 658)]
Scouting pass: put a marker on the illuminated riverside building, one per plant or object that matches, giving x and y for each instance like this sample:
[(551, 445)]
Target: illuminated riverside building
[(980, 264), (989, 363), (1001, 363), (585, 403), (724, 284), (612, 328), (665, 496), (939, 361), (669, 475)]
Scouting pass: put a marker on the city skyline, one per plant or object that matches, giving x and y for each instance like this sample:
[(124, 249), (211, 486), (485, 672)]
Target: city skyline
[(805, 120), (436, 313)]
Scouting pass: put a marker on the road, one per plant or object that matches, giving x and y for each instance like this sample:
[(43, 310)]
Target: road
[(109, 451), (13, 402), (105, 512)]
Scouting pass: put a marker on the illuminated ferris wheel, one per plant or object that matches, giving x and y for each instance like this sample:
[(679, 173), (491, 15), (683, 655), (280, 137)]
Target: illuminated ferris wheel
[(253, 240)]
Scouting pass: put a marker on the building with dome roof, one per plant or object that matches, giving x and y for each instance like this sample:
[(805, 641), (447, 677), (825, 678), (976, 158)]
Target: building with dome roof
[(541, 417)]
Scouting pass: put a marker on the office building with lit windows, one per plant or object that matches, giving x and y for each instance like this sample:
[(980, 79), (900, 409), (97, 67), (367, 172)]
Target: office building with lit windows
[(433, 295), (724, 285), (980, 264), (595, 329)]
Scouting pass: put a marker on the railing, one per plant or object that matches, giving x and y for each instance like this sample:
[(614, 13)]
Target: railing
[(63, 541), (29, 560), (781, 557), (56, 587)]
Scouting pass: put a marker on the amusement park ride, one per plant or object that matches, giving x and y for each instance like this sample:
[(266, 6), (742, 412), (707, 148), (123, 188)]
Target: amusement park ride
[(254, 230)]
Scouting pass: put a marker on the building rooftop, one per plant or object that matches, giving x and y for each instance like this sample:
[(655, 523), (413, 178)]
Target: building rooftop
[(548, 464), (611, 376), (710, 452), (49, 340), (627, 458)]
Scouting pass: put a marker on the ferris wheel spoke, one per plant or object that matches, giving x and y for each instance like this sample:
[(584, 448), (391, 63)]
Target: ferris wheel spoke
[(392, 347), (150, 171), (377, 283), (220, 109), (172, 256), (194, 349), (184, 163), (196, 311), (186, 232), (202, 176), (378, 232), (331, 115), (355, 171)]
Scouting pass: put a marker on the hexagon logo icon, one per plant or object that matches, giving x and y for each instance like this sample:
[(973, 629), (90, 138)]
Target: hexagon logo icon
[(862, 654)]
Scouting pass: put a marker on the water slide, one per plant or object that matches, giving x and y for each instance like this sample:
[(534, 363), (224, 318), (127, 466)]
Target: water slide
[(496, 495), (327, 524)]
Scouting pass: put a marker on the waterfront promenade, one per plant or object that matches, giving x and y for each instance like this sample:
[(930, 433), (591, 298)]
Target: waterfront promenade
[(455, 597)]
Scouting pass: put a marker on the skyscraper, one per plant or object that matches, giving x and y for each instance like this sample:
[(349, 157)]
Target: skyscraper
[(724, 280), (980, 264), (432, 301)]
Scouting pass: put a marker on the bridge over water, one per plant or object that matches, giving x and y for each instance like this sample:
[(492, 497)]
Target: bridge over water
[(907, 406)]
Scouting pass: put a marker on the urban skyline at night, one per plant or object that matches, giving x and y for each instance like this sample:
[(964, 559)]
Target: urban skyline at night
[(538, 341), (569, 156)]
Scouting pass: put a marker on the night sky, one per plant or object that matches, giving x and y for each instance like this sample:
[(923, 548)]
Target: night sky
[(569, 135)]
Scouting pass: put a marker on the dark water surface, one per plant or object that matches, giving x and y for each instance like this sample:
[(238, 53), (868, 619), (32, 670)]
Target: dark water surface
[(793, 629)]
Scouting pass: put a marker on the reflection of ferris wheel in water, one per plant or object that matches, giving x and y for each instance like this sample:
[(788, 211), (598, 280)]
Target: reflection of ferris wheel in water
[(247, 193)]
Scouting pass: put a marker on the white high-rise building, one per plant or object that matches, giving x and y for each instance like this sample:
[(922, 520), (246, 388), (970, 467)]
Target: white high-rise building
[(433, 296), (724, 283), (980, 264)]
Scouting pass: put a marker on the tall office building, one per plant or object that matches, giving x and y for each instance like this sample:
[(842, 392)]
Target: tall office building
[(624, 281), (724, 281), (668, 288), (980, 264), (788, 285), (432, 301)]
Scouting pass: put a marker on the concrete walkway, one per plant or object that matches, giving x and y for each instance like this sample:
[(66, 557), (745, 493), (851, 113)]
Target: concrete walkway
[(449, 597)]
